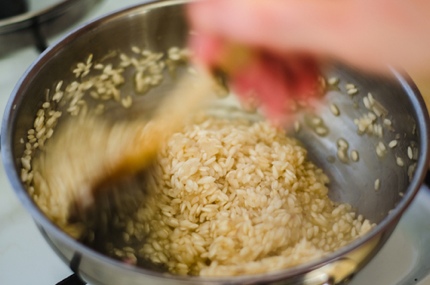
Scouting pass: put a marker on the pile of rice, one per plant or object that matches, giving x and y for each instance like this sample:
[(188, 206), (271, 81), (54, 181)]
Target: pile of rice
[(231, 196)]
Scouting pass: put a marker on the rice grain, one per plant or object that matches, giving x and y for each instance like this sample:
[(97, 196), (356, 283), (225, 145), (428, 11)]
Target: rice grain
[(233, 221)]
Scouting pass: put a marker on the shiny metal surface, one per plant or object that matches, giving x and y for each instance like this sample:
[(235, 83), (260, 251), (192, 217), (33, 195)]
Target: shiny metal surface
[(160, 25)]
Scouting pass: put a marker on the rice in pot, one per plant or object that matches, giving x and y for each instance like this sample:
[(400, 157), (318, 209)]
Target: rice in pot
[(225, 197), (231, 196)]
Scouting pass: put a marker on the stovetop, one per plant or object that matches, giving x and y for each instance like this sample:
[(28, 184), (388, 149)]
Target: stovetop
[(25, 257)]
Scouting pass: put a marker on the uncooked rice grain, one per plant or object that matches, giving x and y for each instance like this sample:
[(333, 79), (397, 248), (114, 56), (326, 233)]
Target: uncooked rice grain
[(334, 109), (229, 197), (333, 81), (354, 155), (399, 161)]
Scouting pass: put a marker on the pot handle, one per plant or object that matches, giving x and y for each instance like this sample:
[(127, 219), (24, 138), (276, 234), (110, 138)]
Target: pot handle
[(336, 272)]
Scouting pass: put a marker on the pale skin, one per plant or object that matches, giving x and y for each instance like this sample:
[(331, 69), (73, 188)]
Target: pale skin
[(366, 34)]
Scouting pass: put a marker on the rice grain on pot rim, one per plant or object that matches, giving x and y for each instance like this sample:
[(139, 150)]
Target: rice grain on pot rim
[(230, 196)]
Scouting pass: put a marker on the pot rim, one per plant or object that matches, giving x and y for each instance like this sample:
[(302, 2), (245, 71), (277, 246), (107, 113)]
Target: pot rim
[(17, 97)]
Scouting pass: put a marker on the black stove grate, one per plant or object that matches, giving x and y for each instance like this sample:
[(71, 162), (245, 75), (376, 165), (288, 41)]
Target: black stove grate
[(72, 280), (10, 8), (21, 27)]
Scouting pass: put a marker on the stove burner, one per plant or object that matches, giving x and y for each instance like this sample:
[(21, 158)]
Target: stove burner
[(9, 8), (20, 26)]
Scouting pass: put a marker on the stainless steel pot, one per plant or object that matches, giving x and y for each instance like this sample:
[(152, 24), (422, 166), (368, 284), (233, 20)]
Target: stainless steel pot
[(158, 25)]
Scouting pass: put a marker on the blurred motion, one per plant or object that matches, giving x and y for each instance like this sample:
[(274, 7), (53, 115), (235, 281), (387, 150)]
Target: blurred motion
[(109, 152), (271, 81), (365, 34)]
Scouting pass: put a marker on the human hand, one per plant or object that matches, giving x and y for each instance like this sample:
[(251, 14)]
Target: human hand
[(260, 77), (367, 34)]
